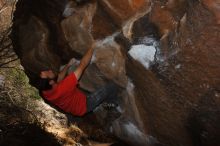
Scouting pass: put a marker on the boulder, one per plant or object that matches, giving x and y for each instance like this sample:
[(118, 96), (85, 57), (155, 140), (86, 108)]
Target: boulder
[(163, 54), (120, 11), (37, 55)]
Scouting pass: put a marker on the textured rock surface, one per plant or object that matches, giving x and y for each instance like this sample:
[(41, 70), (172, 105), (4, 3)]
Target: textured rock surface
[(174, 100), (120, 11), (5, 14)]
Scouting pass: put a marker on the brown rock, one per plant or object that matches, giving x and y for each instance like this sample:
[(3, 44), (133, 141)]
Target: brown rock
[(2, 2), (110, 60), (177, 8), (162, 18), (120, 11), (103, 24), (178, 85), (78, 38), (5, 17), (36, 53), (92, 79), (214, 7)]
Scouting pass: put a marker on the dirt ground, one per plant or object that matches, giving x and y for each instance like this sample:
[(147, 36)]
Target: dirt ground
[(19, 126)]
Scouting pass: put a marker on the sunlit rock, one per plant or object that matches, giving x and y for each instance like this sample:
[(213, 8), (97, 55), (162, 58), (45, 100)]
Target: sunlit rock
[(78, 38), (110, 60)]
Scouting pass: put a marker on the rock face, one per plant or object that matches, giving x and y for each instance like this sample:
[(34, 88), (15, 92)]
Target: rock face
[(164, 54), (5, 14)]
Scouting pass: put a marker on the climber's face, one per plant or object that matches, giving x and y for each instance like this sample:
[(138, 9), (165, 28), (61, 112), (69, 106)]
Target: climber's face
[(48, 74)]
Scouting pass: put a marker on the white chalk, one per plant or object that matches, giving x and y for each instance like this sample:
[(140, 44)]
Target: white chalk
[(143, 54)]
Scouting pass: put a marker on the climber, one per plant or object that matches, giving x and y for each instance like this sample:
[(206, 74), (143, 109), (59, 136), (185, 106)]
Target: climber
[(61, 90)]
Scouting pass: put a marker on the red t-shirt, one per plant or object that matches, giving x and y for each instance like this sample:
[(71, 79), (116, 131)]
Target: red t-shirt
[(67, 96)]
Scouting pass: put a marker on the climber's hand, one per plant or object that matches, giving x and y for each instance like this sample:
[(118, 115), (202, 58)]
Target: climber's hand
[(73, 61)]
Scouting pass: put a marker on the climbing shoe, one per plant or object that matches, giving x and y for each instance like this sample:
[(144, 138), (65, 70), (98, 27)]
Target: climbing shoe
[(109, 105)]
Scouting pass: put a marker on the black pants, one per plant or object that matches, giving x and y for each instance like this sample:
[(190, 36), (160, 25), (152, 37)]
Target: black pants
[(108, 93)]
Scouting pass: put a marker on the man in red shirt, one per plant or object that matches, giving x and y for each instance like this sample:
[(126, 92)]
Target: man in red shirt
[(62, 91)]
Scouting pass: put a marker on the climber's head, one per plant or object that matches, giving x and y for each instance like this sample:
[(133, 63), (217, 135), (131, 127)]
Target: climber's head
[(47, 74), (47, 79)]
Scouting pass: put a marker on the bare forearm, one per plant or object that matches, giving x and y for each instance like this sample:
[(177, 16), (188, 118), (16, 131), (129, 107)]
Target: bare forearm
[(86, 58), (62, 73), (83, 63)]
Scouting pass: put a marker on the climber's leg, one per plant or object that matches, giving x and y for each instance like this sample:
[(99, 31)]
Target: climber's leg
[(107, 93)]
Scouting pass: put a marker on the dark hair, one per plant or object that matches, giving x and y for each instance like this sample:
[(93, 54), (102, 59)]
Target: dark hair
[(44, 84)]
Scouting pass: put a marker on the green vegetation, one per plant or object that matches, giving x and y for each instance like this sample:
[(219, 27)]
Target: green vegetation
[(17, 79)]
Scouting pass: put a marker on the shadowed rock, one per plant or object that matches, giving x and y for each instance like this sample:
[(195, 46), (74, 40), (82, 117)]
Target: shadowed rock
[(160, 103)]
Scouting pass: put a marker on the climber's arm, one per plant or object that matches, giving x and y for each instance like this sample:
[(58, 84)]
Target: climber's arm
[(63, 72), (84, 63)]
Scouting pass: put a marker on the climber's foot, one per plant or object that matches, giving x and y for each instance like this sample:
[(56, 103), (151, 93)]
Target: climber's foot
[(109, 105)]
